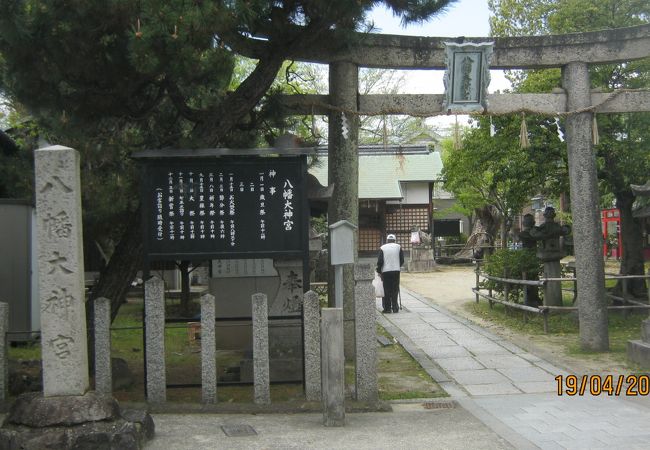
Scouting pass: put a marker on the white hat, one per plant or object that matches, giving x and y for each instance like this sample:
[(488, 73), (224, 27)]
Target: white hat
[(390, 237)]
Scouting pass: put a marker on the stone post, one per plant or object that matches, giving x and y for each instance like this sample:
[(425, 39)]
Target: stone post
[(590, 272), (553, 289), (261, 376), (4, 362), (61, 272), (311, 321), (366, 336), (343, 173), (208, 350), (154, 311), (103, 375), (333, 367)]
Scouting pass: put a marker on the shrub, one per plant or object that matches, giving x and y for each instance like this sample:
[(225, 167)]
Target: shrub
[(507, 263)]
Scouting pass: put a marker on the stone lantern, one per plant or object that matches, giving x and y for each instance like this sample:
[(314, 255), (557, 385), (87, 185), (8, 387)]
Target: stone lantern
[(550, 251)]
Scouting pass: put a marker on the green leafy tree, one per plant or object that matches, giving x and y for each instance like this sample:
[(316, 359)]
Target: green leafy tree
[(496, 177), (111, 76), (622, 153), (16, 162)]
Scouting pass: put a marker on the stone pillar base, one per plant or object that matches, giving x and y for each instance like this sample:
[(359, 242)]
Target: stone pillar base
[(421, 266), (639, 352), (88, 421), (421, 260)]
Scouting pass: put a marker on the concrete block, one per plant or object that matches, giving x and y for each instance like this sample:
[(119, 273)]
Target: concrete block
[(466, 363), (526, 374), (491, 389), (645, 331), (447, 352), (535, 387), (502, 361), (639, 352), (481, 376)]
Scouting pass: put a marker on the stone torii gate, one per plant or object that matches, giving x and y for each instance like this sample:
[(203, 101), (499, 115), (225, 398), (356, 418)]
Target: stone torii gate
[(573, 53)]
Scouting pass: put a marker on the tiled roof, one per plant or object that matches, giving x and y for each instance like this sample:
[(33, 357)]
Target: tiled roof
[(381, 170)]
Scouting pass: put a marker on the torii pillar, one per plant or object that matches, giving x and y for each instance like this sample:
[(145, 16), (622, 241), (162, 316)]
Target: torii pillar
[(590, 272), (343, 173)]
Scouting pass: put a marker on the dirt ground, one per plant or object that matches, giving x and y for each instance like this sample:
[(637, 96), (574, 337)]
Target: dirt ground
[(450, 287)]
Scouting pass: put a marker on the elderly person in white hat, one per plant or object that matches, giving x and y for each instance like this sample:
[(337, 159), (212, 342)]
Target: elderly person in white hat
[(389, 262)]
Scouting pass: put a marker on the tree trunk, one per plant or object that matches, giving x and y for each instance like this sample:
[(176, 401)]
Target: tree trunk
[(115, 279), (632, 244), (241, 102), (490, 221), (503, 234), (481, 239)]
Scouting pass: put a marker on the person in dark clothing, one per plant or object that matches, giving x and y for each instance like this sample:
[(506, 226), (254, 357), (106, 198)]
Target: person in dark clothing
[(389, 262)]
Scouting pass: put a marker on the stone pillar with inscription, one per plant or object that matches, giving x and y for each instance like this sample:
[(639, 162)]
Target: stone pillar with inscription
[(61, 272), (288, 300), (66, 414)]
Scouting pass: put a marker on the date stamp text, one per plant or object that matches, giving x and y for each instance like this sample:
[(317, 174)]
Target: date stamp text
[(629, 385)]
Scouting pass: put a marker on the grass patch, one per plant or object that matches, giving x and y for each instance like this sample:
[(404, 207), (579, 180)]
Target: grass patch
[(24, 351), (400, 376), (564, 325), (529, 323)]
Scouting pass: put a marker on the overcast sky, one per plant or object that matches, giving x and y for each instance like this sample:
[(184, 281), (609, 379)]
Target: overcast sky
[(463, 18)]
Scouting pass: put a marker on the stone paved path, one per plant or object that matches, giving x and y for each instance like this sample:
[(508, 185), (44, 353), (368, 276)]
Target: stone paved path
[(511, 390)]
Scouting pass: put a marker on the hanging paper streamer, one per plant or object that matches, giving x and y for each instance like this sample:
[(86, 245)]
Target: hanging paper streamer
[(594, 131), (345, 129), (560, 134), (523, 133), (493, 130)]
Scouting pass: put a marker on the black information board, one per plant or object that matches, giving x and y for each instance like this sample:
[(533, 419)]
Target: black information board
[(226, 207)]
